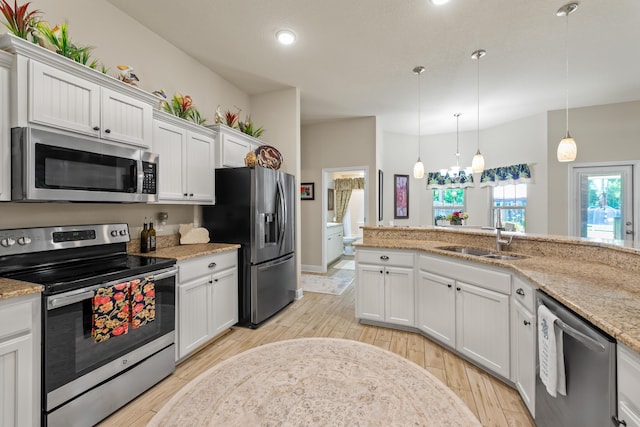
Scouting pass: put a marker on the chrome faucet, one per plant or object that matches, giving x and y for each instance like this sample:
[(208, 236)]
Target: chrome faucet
[(500, 242)]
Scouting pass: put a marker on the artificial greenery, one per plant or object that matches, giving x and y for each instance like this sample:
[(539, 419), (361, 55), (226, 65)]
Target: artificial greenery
[(57, 38), (20, 21), (182, 106), (247, 127)]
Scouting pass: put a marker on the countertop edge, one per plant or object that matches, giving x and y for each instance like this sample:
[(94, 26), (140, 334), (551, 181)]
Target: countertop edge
[(10, 288)]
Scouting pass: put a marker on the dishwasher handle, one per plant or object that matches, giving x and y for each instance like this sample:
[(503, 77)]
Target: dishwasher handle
[(588, 342)]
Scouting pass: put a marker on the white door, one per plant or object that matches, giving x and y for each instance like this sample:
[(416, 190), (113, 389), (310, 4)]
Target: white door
[(233, 151), (399, 299), (125, 119), (194, 315), (603, 197), (436, 307), (370, 292), (525, 360), (224, 300), (169, 142), (198, 167), (482, 327), (16, 386)]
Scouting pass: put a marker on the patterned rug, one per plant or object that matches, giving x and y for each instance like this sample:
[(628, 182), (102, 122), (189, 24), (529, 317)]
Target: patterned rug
[(334, 285), (315, 382)]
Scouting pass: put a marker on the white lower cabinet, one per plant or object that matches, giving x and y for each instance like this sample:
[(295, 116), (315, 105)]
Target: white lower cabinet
[(334, 242), (385, 290), (523, 341), (467, 308), (20, 361), (628, 386), (207, 300)]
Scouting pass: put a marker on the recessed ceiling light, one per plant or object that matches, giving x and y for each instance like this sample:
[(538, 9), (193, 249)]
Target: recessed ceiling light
[(439, 2), (286, 37)]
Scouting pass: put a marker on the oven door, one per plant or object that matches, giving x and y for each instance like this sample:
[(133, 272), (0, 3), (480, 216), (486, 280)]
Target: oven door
[(50, 166), (73, 362)]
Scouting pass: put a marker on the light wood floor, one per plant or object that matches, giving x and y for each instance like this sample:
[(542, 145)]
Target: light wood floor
[(320, 315)]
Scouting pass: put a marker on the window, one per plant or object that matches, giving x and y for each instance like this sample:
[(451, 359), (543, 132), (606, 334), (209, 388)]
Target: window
[(446, 202), (512, 201)]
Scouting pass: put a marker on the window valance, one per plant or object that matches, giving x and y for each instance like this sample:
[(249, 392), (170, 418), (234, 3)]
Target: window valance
[(505, 175), (435, 180), (344, 184)]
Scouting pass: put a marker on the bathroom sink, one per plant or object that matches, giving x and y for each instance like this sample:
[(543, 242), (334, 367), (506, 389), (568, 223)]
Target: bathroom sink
[(482, 253)]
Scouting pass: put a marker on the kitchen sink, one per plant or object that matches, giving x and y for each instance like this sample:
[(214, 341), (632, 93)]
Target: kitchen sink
[(482, 253)]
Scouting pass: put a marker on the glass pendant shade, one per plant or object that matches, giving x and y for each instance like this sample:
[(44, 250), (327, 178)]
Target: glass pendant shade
[(567, 149), (418, 169), (477, 164)]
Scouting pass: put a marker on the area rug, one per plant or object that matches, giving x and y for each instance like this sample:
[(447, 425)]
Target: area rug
[(315, 382), (346, 264), (334, 285)]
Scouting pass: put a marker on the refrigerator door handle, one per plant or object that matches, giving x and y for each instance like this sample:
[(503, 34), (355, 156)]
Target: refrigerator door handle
[(283, 215)]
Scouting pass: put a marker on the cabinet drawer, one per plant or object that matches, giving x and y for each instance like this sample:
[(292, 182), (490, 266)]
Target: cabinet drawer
[(334, 231), (460, 270), (15, 318), (209, 264), (629, 377), (524, 293), (385, 257)]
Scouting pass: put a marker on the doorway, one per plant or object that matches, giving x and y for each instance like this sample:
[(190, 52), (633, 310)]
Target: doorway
[(351, 219), (602, 201)]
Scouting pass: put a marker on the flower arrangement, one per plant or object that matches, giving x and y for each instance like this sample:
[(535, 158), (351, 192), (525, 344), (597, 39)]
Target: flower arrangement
[(457, 217), (182, 106), (20, 21), (247, 127)]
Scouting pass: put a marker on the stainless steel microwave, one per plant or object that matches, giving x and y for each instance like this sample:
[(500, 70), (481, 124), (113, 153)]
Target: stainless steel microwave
[(50, 166)]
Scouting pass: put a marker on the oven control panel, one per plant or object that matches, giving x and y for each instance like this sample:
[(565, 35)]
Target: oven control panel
[(29, 240)]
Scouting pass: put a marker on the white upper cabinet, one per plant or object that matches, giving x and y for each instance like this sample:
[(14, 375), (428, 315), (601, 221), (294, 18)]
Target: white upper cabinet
[(232, 146), (185, 173), (50, 90), (5, 128)]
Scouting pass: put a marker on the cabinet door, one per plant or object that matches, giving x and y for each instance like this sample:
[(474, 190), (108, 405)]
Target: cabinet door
[(370, 293), (524, 347), (169, 142), (399, 300), (63, 100), (233, 150), (225, 300), (5, 136), (16, 392), (198, 168), (626, 414), (194, 311), (482, 327), (125, 119), (436, 307)]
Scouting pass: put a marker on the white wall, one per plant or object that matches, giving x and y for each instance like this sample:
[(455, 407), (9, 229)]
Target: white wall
[(341, 143), (603, 133), (521, 141)]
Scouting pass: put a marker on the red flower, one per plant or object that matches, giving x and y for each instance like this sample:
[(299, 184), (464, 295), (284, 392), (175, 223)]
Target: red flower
[(120, 330), (120, 286), (138, 297), (137, 308), (118, 296), (150, 293), (101, 300)]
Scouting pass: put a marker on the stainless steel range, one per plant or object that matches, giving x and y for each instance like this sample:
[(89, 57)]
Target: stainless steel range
[(92, 366)]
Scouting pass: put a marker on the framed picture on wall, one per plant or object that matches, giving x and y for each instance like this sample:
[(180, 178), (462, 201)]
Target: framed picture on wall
[(380, 181), (307, 191), (401, 196), (330, 199)]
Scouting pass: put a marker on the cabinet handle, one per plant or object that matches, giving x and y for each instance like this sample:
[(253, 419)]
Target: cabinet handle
[(185, 194), (520, 291), (215, 280), (381, 271), (96, 128), (526, 323), (458, 289), (329, 238), (190, 194), (107, 131), (450, 286), (210, 281), (212, 265), (384, 258)]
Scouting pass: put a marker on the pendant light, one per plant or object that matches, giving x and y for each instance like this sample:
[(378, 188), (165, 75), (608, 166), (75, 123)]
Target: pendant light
[(418, 168), (477, 164), (454, 171), (567, 149)]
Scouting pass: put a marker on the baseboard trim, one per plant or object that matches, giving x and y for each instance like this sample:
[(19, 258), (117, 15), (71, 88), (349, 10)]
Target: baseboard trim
[(311, 268), (299, 294)]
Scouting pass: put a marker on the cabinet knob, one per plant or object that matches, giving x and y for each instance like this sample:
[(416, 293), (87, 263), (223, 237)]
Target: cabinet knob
[(96, 128), (450, 286), (212, 265), (381, 271), (215, 280), (210, 281), (384, 258), (520, 291), (458, 289), (107, 131), (526, 323), (190, 194), (185, 194), (387, 272)]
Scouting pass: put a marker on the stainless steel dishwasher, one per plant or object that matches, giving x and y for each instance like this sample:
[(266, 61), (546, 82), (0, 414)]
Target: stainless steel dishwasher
[(590, 364)]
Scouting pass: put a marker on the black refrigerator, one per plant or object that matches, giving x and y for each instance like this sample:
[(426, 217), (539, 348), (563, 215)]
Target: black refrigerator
[(255, 207)]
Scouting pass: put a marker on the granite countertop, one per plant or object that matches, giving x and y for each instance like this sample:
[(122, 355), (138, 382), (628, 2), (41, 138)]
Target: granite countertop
[(183, 252), (607, 296), (10, 288)]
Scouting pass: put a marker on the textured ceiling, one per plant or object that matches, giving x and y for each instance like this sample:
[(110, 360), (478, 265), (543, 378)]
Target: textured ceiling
[(354, 58)]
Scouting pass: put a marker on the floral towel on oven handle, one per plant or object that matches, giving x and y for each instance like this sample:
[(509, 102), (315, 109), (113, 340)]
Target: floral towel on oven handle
[(110, 312), (143, 302)]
